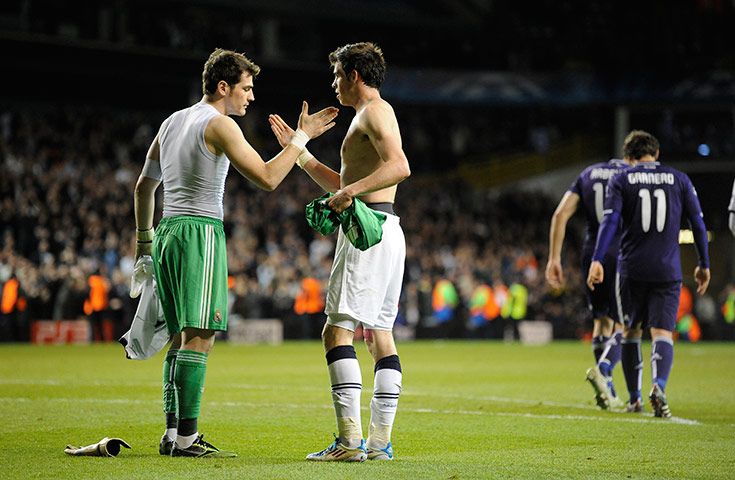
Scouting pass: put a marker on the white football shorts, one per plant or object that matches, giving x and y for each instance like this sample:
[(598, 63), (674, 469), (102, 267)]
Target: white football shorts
[(365, 286)]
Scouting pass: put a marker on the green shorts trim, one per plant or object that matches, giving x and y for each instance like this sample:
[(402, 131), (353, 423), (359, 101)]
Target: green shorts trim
[(190, 264)]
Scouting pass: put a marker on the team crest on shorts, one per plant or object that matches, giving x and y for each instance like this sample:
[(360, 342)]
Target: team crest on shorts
[(217, 316)]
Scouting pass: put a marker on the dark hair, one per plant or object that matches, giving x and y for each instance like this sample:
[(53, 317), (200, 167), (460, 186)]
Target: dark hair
[(365, 58), (228, 66), (638, 144)]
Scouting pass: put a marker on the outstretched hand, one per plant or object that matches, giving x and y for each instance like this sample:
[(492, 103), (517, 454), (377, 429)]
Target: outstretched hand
[(318, 123), (280, 129), (313, 125)]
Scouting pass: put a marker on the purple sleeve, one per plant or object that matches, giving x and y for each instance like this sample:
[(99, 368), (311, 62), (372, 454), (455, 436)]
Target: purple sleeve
[(608, 228), (700, 240), (694, 213), (576, 186)]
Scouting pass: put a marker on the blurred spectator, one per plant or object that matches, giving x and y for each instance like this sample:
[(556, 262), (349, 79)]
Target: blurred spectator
[(728, 312), (687, 326), (72, 295), (686, 303), (309, 309), (483, 309), (705, 310), (12, 311), (444, 302), (95, 307), (514, 310)]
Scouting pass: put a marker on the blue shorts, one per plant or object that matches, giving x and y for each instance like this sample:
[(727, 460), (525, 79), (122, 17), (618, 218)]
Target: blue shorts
[(650, 304), (603, 300)]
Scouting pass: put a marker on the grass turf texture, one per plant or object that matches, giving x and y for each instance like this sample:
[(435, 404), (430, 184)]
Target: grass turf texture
[(468, 410)]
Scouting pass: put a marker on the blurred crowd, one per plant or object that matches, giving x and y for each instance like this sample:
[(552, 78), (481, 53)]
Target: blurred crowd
[(474, 266)]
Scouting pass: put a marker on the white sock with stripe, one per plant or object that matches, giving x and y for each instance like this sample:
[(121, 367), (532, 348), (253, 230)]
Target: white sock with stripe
[(384, 404), (346, 380)]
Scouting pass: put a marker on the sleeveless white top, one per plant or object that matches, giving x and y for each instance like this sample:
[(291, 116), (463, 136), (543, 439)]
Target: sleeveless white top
[(193, 177)]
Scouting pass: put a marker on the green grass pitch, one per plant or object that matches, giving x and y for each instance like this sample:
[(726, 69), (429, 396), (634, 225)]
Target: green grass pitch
[(469, 410)]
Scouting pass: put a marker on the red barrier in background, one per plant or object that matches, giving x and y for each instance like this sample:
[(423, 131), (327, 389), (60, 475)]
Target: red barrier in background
[(44, 332)]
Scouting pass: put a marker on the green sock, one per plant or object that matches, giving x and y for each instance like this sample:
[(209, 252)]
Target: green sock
[(191, 368), (170, 403)]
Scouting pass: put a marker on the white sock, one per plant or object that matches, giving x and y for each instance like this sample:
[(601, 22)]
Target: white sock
[(186, 442), (383, 406), (346, 379), (170, 433)]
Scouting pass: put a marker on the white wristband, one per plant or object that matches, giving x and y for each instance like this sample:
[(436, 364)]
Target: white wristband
[(299, 139), (303, 158)]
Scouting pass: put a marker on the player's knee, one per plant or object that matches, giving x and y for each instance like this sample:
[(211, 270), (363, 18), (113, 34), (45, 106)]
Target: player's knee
[(333, 336), (661, 333), (606, 323), (197, 339), (633, 331), (380, 344)]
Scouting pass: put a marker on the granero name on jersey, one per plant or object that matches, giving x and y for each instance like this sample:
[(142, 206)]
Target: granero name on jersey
[(652, 178)]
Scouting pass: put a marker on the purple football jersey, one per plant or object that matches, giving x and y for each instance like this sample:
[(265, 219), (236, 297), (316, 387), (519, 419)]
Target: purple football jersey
[(591, 186), (651, 199)]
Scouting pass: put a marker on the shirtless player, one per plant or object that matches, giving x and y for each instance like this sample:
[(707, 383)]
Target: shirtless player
[(364, 286)]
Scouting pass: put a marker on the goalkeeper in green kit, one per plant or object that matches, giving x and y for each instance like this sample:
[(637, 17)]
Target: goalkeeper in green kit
[(191, 155)]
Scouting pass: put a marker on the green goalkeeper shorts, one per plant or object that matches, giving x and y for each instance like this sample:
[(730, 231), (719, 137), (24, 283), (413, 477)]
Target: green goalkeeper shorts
[(190, 264)]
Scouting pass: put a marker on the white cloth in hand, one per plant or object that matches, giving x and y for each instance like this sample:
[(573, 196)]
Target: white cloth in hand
[(142, 271), (148, 333)]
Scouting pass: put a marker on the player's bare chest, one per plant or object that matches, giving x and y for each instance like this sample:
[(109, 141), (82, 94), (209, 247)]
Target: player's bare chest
[(355, 140)]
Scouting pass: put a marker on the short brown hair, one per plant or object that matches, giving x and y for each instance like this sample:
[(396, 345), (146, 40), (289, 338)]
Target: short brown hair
[(638, 144), (365, 58), (225, 65)]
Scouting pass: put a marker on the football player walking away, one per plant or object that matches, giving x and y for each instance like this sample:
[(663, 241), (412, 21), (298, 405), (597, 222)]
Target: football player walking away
[(364, 286), (588, 190), (191, 155), (646, 203)]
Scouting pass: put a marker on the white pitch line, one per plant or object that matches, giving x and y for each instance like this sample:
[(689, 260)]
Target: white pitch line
[(630, 419), (626, 419), (490, 398), (486, 398), (247, 386)]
